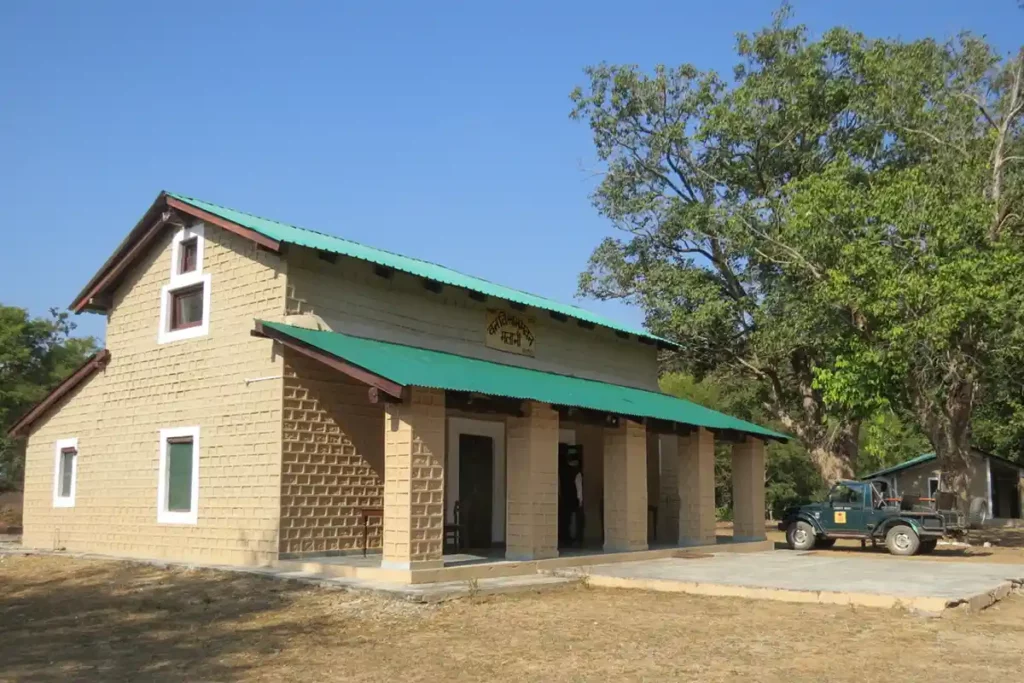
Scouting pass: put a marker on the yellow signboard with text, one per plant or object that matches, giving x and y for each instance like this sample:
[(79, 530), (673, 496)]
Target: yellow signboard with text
[(840, 517), (511, 332)]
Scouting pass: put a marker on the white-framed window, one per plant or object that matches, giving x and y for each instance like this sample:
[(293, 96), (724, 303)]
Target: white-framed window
[(65, 473), (185, 300), (178, 482)]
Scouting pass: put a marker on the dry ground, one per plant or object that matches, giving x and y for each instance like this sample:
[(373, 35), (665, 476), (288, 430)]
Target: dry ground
[(70, 619)]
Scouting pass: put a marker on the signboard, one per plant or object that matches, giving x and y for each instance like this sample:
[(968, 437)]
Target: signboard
[(510, 331), (840, 517)]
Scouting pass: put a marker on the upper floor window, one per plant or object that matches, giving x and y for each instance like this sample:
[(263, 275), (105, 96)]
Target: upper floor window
[(65, 473), (185, 300), (188, 255)]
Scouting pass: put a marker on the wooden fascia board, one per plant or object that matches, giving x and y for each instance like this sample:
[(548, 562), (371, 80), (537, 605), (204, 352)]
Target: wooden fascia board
[(95, 362), (393, 389), (143, 235)]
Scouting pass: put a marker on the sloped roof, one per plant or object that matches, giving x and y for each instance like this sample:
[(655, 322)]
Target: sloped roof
[(413, 366), (96, 361), (275, 233)]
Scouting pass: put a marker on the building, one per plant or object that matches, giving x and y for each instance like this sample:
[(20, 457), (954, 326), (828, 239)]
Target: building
[(270, 392), (995, 488)]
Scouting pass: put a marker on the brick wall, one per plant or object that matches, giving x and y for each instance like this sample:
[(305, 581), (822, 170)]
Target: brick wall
[(350, 298), (625, 487), (332, 460), (532, 531), (414, 441), (117, 414)]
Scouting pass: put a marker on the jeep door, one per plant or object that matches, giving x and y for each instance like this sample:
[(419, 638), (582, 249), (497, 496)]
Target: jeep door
[(845, 514)]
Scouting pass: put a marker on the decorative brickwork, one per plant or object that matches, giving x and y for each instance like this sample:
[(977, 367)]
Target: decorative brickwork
[(697, 488), (414, 439), (532, 484), (748, 490), (332, 460), (625, 487), (118, 413)]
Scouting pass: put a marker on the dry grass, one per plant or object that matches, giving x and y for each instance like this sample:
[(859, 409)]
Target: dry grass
[(67, 619)]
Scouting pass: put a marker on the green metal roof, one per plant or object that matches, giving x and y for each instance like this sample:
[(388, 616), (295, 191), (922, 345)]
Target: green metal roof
[(337, 245), (925, 457), (411, 366)]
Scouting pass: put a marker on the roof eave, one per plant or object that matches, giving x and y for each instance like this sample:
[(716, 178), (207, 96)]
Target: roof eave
[(96, 361), (142, 235)]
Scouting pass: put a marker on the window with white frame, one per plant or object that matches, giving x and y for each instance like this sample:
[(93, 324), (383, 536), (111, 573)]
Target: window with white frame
[(178, 481), (185, 300), (65, 473)]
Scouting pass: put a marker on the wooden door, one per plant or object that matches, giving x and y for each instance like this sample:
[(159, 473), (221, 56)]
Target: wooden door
[(476, 489)]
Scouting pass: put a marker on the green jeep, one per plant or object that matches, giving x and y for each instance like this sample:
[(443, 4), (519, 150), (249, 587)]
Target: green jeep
[(858, 509)]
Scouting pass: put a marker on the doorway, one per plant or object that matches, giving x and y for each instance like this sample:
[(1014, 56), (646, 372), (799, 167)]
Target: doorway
[(491, 440), (476, 489)]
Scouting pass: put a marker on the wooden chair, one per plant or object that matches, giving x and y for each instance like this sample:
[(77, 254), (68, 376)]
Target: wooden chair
[(453, 531)]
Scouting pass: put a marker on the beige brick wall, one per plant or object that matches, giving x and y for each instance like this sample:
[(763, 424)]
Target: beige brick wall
[(748, 490), (118, 413), (625, 487), (350, 298), (332, 460), (414, 441), (532, 521), (697, 488)]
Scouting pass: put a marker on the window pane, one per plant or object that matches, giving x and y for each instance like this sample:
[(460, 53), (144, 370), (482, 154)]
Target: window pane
[(189, 251), (187, 308), (67, 469), (179, 476)]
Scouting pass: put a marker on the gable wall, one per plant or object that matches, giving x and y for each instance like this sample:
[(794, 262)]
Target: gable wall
[(117, 414), (349, 297)]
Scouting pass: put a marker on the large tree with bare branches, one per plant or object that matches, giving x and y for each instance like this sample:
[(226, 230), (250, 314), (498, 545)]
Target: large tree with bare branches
[(839, 223)]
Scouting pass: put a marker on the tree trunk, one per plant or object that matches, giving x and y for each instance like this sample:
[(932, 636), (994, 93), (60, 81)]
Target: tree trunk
[(947, 426), (835, 456)]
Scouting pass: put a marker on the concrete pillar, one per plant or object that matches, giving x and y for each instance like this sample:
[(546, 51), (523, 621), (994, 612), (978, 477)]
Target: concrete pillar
[(414, 481), (668, 493), (696, 456), (532, 501), (625, 487), (748, 490)]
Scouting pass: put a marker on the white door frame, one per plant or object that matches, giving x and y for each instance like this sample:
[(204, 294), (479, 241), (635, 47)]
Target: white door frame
[(496, 431)]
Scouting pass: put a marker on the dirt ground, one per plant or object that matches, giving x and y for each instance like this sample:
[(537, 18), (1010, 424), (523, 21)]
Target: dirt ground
[(69, 619)]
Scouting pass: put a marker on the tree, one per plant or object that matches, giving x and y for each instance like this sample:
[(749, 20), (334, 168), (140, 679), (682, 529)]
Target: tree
[(837, 225), (35, 355)]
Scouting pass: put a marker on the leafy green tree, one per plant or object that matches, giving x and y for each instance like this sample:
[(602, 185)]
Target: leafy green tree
[(836, 226), (35, 355), (790, 477)]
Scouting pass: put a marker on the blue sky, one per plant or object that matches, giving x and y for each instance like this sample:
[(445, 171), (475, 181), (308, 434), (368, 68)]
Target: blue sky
[(439, 130)]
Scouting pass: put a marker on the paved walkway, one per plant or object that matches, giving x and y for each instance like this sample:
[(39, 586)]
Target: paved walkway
[(928, 587)]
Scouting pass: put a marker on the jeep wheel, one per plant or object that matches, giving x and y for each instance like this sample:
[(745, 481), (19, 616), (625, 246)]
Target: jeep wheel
[(901, 540), (824, 543), (927, 547), (800, 536)]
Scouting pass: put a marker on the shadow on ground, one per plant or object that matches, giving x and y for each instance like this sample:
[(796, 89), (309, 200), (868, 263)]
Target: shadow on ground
[(116, 621)]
